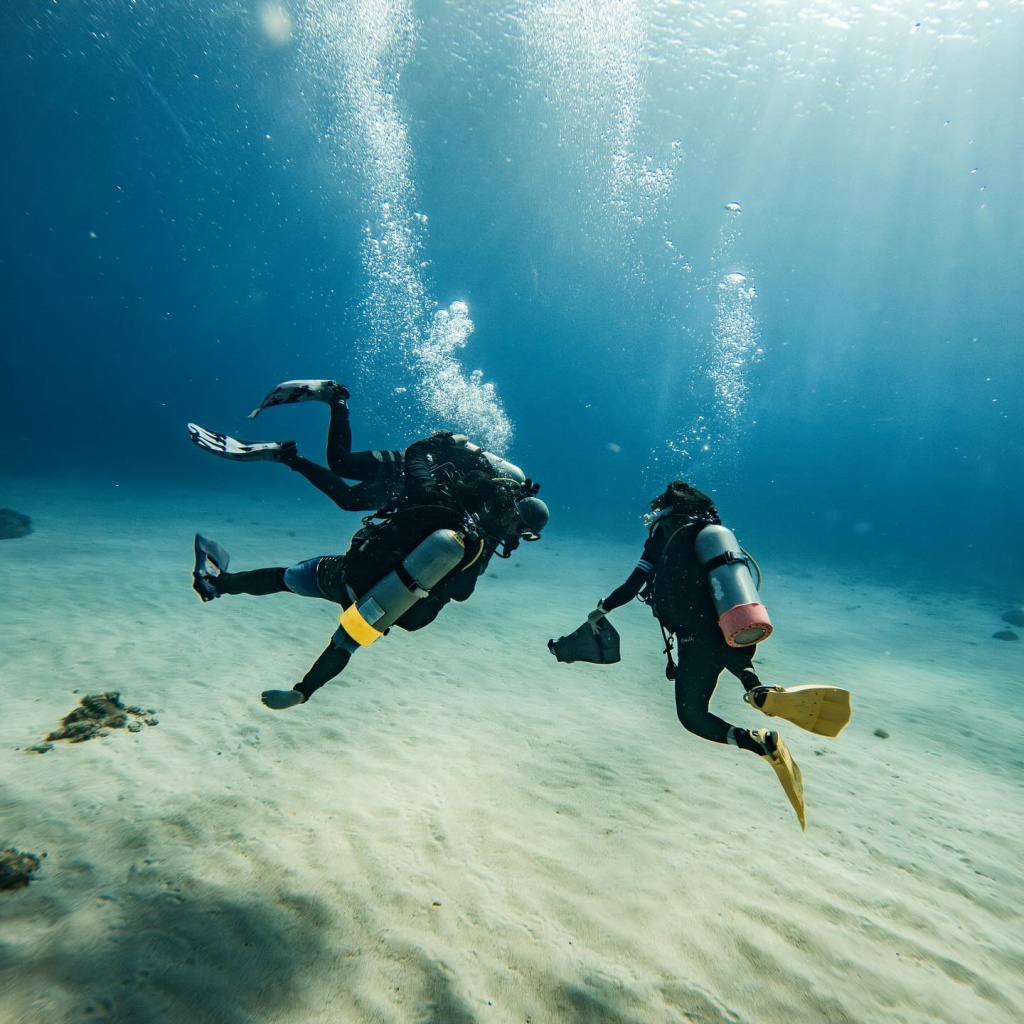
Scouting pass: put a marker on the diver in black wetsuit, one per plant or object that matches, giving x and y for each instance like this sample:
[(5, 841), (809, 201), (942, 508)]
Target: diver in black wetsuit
[(380, 473), (460, 506)]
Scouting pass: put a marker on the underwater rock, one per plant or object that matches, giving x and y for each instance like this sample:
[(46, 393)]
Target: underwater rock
[(13, 524), (17, 869), (1006, 634), (98, 712), (1015, 616), (882, 734)]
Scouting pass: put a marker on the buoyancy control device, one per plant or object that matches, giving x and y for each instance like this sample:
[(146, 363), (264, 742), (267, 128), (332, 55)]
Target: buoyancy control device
[(370, 615), (741, 616)]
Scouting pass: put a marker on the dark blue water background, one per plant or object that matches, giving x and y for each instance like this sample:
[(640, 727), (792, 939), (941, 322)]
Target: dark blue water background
[(193, 209)]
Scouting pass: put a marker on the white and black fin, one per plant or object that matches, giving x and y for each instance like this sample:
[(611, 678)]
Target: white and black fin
[(211, 561), (228, 447), (302, 391)]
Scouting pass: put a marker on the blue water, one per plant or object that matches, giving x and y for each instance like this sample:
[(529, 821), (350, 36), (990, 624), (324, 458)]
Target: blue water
[(771, 250)]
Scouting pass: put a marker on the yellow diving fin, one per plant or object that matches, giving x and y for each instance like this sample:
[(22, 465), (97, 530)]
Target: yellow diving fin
[(824, 710), (778, 756)]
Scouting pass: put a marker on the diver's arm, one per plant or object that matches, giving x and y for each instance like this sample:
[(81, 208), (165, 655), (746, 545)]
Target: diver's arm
[(419, 480), (635, 581), (323, 670), (625, 592)]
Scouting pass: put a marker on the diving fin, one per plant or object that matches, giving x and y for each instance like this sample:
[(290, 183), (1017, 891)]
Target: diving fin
[(778, 756), (824, 710), (211, 561), (302, 391), (228, 447), (597, 645)]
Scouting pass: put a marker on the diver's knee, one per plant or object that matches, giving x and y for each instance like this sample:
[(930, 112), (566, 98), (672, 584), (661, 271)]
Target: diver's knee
[(690, 718), (301, 578)]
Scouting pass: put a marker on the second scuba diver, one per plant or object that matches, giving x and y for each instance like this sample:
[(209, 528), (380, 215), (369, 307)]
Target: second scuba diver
[(697, 581), (460, 506)]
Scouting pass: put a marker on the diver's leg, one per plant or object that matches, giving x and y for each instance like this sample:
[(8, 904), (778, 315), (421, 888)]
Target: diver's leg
[(257, 582), (696, 679), (347, 497), (339, 437), (372, 467), (300, 579), (740, 662), (366, 466)]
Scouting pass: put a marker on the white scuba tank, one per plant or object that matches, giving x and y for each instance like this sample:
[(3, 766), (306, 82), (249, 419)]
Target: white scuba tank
[(366, 619), (741, 616), (502, 467)]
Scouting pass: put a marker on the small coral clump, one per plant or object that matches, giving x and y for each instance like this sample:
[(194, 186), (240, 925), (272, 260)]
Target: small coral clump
[(17, 869), (98, 712)]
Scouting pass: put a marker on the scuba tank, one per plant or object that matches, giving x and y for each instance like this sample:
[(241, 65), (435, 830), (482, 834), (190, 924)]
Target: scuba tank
[(741, 616), (503, 469), (372, 614)]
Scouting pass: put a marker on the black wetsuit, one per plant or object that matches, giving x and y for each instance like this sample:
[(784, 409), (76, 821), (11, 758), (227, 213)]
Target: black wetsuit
[(381, 474), (677, 590), (444, 483)]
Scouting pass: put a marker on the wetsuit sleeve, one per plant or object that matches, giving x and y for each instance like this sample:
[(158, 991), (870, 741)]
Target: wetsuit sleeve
[(419, 480), (323, 670), (636, 580)]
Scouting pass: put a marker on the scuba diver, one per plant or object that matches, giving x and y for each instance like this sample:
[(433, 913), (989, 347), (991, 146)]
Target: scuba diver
[(697, 581), (380, 473), (460, 506)]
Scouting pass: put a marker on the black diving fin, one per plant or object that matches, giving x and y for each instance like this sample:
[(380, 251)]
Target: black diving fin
[(597, 645)]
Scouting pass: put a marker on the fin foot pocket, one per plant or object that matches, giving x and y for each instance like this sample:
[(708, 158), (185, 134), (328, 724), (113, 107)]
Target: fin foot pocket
[(824, 710)]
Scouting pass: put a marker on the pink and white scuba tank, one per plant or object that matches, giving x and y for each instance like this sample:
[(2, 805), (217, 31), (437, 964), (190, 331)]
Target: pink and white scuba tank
[(741, 616)]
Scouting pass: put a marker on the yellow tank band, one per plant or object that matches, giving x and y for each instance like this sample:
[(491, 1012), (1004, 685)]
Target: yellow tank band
[(357, 627)]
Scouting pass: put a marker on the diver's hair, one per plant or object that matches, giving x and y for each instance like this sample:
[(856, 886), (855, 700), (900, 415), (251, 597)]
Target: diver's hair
[(682, 497)]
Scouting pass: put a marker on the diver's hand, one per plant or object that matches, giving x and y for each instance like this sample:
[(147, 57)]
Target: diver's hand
[(595, 617), (278, 700)]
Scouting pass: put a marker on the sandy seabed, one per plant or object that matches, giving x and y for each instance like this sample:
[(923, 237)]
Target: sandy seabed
[(460, 829)]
